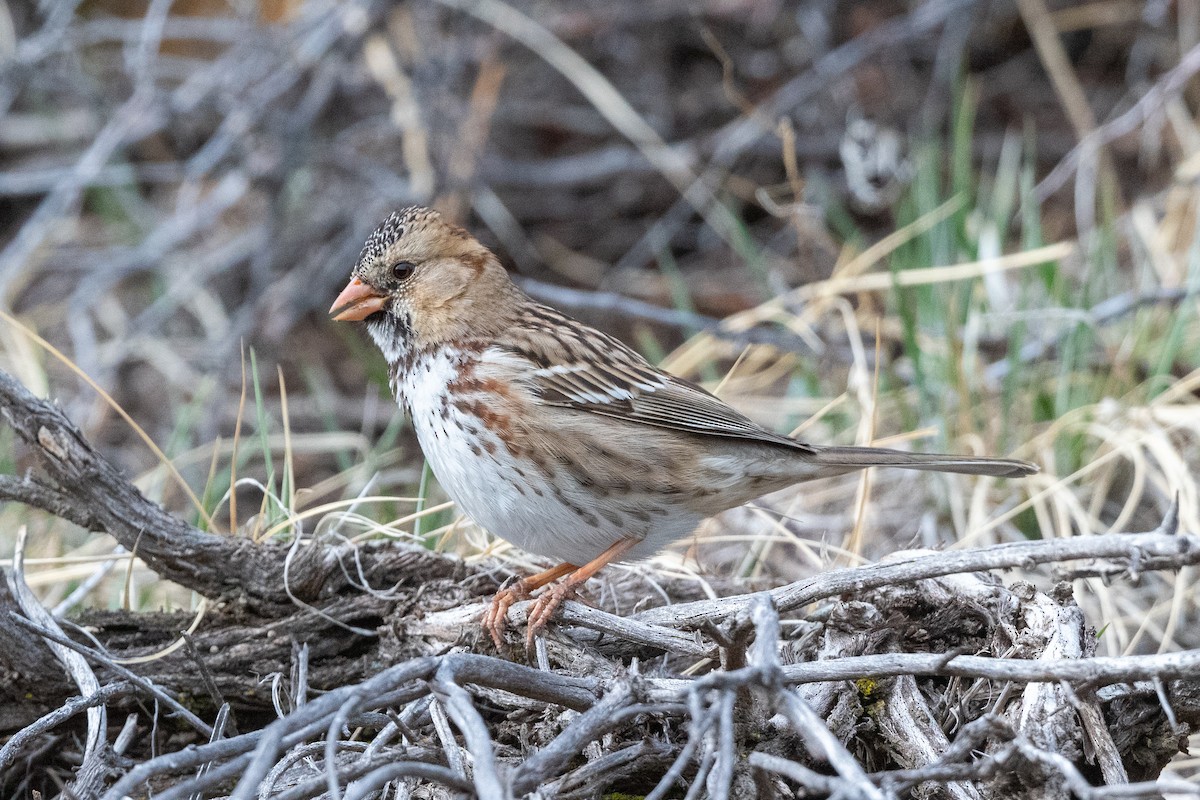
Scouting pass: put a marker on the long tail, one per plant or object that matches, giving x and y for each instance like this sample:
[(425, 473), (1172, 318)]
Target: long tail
[(862, 457)]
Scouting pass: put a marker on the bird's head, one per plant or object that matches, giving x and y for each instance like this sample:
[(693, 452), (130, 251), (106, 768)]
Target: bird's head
[(421, 281)]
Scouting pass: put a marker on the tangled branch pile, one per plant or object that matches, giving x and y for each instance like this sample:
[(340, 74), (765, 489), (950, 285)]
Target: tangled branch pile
[(920, 673), (173, 184)]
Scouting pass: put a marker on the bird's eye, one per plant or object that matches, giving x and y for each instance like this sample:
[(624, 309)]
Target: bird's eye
[(401, 270)]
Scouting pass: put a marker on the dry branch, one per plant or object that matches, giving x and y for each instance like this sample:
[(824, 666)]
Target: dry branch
[(902, 644), (254, 170), (78, 481)]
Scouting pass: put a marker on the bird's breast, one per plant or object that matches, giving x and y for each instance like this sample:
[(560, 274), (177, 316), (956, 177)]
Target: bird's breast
[(551, 481), (465, 422)]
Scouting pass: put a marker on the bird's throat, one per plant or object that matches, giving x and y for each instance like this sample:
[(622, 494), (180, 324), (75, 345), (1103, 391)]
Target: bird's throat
[(392, 335)]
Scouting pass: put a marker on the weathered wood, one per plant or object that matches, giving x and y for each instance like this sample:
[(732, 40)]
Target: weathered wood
[(904, 644), (77, 480)]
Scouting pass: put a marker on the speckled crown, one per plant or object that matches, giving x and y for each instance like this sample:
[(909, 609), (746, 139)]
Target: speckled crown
[(392, 229)]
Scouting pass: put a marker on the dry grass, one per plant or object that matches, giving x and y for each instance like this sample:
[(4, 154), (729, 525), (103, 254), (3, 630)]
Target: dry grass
[(974, 318)]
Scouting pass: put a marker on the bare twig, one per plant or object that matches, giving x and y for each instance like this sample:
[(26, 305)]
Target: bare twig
[(1148, 103), (11, 750), (62, 642), (211, 565), (1180, 549), (39, 620)]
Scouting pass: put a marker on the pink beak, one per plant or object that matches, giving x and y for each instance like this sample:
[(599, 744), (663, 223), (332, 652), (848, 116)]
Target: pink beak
[(357, 301)]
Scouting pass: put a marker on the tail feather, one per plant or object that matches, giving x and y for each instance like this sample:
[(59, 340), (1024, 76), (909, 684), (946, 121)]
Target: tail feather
[(863, 457)]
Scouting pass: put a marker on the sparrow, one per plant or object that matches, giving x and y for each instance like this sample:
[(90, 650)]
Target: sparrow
[(555, 436)]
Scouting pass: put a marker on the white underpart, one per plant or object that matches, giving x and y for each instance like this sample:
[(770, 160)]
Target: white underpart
[(475, 487), (392, 346), (485, 484)]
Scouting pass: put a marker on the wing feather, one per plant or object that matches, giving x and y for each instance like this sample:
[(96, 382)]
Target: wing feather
[(584, 370)]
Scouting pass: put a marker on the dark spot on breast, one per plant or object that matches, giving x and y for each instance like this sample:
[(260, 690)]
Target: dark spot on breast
[(464, 368), (589, 481), (581, 476), (613, 517), (604, 451), (539, 461), (580, 511)]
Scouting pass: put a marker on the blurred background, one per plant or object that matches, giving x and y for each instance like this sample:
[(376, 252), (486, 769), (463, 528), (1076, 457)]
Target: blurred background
[(964, 225)]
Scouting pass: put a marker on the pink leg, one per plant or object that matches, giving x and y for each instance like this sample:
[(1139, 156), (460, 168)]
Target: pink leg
[(545, 606), (495, 618)]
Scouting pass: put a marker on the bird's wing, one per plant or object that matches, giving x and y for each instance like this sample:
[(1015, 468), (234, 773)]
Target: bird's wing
[(577, 367)]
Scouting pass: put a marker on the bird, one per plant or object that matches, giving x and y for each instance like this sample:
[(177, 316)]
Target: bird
[(555, 436)]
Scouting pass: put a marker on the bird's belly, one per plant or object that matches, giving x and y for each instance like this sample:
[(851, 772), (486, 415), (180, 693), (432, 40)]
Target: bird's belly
[(531, 500), (515, 502)]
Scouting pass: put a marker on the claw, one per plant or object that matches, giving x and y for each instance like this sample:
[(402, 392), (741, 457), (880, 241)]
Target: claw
[(495, 619), (542, 610)]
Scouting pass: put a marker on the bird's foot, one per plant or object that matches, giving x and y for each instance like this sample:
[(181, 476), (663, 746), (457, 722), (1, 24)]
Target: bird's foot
[(544, 606), (495, 619)]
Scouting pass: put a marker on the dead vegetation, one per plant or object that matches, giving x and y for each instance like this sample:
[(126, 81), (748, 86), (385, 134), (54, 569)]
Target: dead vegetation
[(855, 218), (380, 674)]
